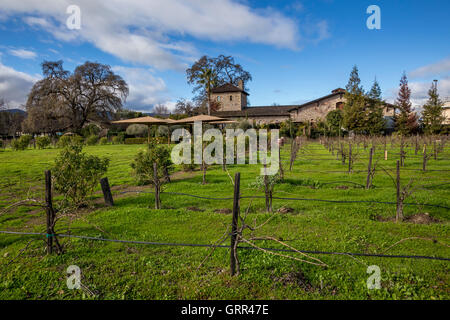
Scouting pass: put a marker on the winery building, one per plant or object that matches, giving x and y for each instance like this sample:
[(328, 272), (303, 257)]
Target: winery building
[(232, 104)]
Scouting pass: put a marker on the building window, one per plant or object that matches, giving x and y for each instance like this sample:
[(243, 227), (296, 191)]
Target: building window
[(340, 105), (231, 98), (218, 99)]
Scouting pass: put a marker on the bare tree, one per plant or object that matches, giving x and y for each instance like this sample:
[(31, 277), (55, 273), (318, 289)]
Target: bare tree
[(91, 93), (184, 106), (161, 109)]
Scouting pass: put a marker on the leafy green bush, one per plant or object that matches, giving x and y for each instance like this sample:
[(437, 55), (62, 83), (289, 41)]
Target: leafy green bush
[(139, 130), (90, 130), (76, 174), (22, 143), (63, 142), (136, 140), (66, 141), (43, 142), (158, 140), (103, 141), (92, 140), (143, 163)]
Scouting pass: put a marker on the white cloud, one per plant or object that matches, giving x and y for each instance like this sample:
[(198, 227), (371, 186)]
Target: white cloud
[(145, 31), (15, 86), (145, 89), (439, 68), (22, 53), (419, 90)]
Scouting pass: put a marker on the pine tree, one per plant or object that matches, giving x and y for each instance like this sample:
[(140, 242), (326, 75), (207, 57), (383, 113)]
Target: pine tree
[(375, 120), (406, 120), (354, 108), (432, 111)]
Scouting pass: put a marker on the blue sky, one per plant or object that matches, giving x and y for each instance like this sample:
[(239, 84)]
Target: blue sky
[(295, 50)]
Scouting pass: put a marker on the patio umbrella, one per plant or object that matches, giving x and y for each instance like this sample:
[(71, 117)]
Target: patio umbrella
[(202, 118)]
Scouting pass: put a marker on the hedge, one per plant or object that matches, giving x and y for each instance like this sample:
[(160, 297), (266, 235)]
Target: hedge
[(158, 140)]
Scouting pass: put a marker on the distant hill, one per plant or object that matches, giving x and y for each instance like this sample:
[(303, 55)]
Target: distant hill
[(20, 111)]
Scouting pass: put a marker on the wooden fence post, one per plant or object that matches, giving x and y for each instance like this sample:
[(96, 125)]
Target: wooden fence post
[(104, 183), (156, 183), (49, 210), (369, 170), (234, 223)]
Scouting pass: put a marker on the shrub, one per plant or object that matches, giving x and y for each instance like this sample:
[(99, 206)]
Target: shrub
[(163, 131), (43, 142), (90, 130), (76, 174), (140, 130), (22, 143), (143, 163), (136, 140), (103, 141), (158, 140), (119, 139), (66, 141), (92, 140), (1, 144)]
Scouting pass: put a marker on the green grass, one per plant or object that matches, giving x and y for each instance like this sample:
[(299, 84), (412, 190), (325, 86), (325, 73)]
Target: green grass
[(128, 271)]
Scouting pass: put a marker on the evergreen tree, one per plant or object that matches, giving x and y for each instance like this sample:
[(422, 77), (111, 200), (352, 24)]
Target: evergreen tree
[(354, 108), (406, 120), (374, 112), (432, 111)]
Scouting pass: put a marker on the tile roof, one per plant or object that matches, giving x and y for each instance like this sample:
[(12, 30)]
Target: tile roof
[(228, 87)]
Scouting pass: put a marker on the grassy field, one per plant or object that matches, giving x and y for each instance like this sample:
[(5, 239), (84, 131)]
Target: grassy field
[(128, 271)]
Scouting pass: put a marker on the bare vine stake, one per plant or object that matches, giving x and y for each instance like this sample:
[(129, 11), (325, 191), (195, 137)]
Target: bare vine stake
[(234, 223), (280, 164), (350, 158), (369, 169), (50, 212), (435, 150), (424, 165), (49, 209), (399, 215), (417, 146), (156, 182), (402, 153)]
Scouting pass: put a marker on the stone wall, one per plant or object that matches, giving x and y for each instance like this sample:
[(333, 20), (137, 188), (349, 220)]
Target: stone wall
[(317, 110), (446, 114)]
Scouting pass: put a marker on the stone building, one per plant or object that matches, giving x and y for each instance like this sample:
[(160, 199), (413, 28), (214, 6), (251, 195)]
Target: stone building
[(232, 101), (446, 112)]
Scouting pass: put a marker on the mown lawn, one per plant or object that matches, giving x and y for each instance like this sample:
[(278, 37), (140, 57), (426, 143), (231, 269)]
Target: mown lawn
[(132, 271)]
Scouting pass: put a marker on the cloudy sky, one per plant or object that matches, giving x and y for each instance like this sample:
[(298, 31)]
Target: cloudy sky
[(295, 50)]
